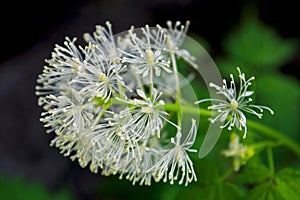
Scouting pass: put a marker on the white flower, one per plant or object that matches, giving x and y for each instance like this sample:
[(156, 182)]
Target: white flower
[(104, 39), (100, 78), (175, 162), (64, 65), (138, 169), (235, 103), (147, 115), (147, 55), (66, 112), (175, 38)]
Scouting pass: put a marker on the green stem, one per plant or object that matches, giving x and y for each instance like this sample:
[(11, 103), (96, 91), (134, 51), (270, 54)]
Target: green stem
[(187, 109), (178, 91), (271, 160), (226, 175), (120, 87), (275, 135), (151, 83), (264, 144), (281, 138)]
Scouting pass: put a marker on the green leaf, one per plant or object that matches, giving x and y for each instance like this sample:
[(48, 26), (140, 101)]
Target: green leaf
[(209, 185), (285, 185), (258, 45), (207, 172), (202, 192), (229, 191), (264, 191), (282, 94), (219, 191), (253, 173), (288, 182), (114, 188), (16, 188)]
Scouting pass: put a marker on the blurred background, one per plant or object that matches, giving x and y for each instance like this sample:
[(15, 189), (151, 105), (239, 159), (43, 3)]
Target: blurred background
[(262, 37)]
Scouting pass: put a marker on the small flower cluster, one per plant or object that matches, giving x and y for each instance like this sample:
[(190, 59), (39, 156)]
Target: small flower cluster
[(239, 152), (105, 109)]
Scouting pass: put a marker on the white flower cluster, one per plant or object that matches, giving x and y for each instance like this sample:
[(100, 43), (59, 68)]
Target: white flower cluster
[(105, 109)]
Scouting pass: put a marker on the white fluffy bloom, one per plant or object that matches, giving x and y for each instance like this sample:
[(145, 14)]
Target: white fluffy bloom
[(100, 78), (236, 101), (138, 170), (64, 65), (147, 54), (175, 38), (147, 115), (66, 112), (104, 39), (109, 117)]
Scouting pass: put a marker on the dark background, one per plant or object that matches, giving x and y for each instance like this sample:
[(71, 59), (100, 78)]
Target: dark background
[(29, 30)]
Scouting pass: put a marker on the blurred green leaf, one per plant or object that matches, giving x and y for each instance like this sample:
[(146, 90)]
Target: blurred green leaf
[(20, 189), (288, 182), (209, 186), (114, 188), (282, 95), (253, 173), (207, 172), (264, 191), (258, 45), (229, 191), (285, 185), (218, 191)]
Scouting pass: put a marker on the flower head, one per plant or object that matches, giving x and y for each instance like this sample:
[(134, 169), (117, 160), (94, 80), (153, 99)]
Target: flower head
[(147, 54), (104, 39), (235, 103), (100, 77), (176, 35), (65, 64), (106, 115), (147, 115)]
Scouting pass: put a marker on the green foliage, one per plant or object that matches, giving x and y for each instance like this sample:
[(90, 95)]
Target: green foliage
[(210, 185), (283, 95), (21, 189), (253, 174), (219, 191), (285, 185), (288, 181), (257, 46), (123, 189)]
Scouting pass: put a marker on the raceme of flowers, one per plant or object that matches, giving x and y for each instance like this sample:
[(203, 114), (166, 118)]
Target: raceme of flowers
[(107, 112), (105, 109)]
